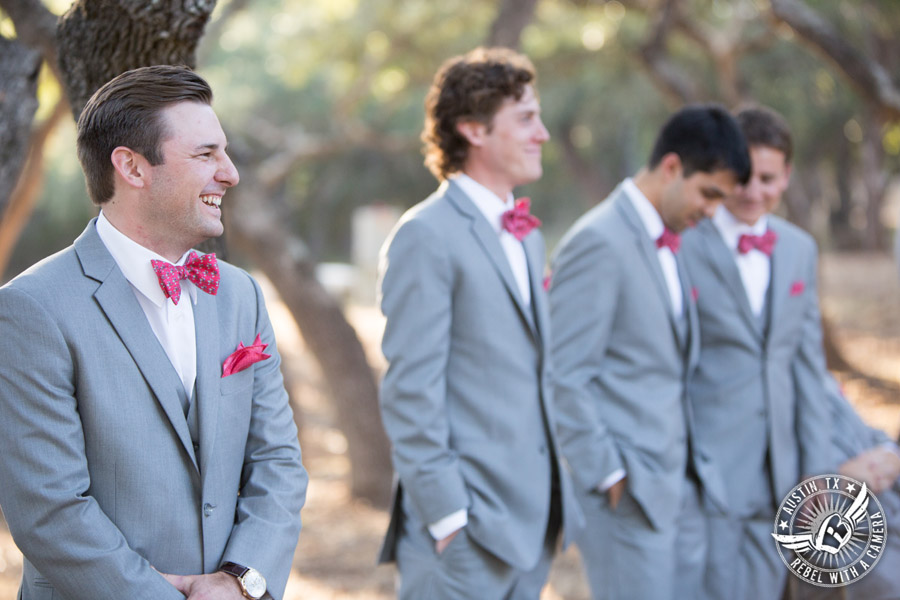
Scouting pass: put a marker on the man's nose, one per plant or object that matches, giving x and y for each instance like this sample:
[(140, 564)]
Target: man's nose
[(227, 173)]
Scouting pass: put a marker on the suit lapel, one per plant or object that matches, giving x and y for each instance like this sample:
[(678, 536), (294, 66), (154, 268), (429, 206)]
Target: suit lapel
[(209, 371), (489, 242), (648, 253), (722, 259), (117, 300), (534, 255), (691, 344), (781, 275)]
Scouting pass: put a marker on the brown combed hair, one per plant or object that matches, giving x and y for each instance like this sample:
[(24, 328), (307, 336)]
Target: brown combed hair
[(471, 87), (126, 111), (762, 126)]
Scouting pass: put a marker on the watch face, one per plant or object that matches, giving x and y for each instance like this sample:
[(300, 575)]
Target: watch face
[(254, 583)]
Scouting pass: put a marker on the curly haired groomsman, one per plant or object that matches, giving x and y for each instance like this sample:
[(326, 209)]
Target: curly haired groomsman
[(466, 399)]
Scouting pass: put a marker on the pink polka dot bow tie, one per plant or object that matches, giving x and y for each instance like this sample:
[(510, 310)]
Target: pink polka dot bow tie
[(669, 239), (518, 220), (765, 243), (202, 271)]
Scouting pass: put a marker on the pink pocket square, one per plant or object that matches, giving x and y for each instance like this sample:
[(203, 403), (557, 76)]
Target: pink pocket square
[(694, 294), (797, 288), (548, 279), (244, 356)]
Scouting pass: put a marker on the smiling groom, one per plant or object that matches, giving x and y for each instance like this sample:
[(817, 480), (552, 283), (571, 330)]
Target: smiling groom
[(148, 448)]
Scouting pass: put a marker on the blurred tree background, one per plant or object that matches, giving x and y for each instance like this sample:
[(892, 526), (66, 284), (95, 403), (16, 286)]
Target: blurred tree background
[(338, 85), (323, 104)]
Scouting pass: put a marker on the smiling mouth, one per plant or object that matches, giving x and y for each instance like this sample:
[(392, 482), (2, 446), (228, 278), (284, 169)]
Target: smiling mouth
[(211, 200)]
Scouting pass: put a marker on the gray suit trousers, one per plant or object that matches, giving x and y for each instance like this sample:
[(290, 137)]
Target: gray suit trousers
[(627, 558), (465, 570)]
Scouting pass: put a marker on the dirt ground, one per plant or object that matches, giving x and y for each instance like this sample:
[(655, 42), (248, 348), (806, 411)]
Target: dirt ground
[(335, 559)]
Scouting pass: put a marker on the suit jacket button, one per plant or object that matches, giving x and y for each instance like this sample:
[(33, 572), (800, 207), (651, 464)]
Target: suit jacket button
[(543, 449), (208, 509)]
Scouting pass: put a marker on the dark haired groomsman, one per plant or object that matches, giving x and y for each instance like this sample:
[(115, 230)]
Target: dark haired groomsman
[(625, 338)]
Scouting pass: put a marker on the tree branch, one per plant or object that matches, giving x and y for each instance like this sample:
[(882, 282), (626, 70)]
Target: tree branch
[(868, 76), (669, 78), (512, 18)]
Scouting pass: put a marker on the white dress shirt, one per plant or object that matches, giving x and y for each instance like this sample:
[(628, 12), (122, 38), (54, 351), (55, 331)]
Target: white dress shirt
[(492, 207), (173, 325), (755, 267), (654, 225)]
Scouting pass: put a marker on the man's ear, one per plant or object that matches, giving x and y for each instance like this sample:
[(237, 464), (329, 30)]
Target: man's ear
[(670, 165), (473, 131), (787, 176), (131, 166)]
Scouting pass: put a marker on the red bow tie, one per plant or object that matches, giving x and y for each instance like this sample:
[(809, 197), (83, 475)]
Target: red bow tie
[(518, 221), (669, 239), (764, 243), (202, 271)]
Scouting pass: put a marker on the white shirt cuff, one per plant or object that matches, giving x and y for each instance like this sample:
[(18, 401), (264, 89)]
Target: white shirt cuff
[(611, 480), (444, 527)]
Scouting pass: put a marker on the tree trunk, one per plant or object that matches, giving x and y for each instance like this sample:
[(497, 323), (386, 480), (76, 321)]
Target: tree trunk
[(258, 230), (25, 195), (99, 39), (874, 180), (19, 68), (843, 236)]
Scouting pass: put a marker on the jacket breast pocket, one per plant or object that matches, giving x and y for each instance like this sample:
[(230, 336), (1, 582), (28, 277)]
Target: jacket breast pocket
[(238, 382), (41, 589)]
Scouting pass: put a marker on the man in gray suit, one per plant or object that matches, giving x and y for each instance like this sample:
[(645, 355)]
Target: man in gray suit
[(869, 455), (148, 450), (624, 340), (466, 399), (760, 421)]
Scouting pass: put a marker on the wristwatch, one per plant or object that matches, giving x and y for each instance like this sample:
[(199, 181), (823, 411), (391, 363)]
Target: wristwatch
[(253, 584)]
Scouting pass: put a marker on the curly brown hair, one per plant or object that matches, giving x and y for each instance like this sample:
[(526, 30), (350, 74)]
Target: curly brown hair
[(471, 87)]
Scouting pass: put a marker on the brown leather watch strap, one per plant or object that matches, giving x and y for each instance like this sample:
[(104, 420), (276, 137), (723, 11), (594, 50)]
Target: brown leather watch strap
[(234, 569)]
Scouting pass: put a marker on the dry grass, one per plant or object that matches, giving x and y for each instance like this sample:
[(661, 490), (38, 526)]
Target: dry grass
[(335, 559)]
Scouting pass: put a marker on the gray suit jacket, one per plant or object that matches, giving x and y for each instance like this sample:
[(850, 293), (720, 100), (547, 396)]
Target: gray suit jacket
[(851, 435), (757, 394), (466, 399), (620, 358), (102, 482)]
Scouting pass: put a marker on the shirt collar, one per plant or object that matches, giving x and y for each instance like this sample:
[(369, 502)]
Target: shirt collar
[(134, 262), (653, 223), (490, 205), (732, 229)]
